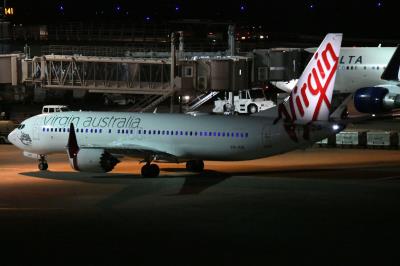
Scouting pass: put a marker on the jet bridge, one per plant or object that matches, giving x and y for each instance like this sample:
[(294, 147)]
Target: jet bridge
[(99, 74)]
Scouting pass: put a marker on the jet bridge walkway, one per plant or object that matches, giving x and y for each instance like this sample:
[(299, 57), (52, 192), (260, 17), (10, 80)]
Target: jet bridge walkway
[(100, 74)]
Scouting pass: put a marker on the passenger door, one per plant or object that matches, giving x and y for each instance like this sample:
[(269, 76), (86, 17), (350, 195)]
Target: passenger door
[(36, 131)]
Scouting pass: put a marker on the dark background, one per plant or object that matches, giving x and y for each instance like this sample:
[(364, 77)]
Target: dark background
[(356, 18)]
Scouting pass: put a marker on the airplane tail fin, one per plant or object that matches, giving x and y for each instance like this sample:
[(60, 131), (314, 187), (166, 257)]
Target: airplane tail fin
[(310, 99), (392, 71)]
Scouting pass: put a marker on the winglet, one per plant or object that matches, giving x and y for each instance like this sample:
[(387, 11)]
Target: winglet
[(392, 71), (72, 146)]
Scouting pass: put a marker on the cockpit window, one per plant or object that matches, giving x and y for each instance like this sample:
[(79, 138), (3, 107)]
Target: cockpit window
[(21, 126)]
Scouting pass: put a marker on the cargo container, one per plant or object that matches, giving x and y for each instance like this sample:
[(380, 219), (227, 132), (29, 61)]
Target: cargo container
[(382, 139), (351, 139)]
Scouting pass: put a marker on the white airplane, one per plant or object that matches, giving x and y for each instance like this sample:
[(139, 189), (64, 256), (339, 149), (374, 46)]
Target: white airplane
[(371, 73), (95, 140)]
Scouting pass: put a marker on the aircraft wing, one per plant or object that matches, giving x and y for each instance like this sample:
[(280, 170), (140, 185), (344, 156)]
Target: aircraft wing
[(120, 148), (134, 150), (286, 86)]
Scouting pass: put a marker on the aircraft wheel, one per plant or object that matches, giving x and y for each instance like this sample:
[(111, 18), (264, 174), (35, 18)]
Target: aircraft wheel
[(43, 166), (150, 170), (195, 165)]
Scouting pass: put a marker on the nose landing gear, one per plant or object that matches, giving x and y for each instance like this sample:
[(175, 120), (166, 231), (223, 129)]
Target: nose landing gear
[(43, 163)]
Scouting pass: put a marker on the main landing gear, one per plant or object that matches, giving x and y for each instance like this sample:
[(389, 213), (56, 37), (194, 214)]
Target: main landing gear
[(43, 163), (150, 170), (195, 166)]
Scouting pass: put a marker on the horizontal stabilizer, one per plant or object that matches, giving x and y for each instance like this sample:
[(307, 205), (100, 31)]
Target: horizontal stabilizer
[(392, 71)]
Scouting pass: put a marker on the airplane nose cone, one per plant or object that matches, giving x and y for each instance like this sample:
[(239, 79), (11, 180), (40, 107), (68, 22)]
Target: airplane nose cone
[(11, 137)]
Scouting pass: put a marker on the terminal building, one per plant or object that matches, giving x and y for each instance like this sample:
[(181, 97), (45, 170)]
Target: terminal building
[(155, 66)]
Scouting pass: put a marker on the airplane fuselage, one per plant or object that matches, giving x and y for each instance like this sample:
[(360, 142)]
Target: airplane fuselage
[(358, 67), (362, 67), (207, 137)]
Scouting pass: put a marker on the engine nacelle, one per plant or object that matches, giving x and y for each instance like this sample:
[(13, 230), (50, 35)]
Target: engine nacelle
[(375, 100), (93, 160)]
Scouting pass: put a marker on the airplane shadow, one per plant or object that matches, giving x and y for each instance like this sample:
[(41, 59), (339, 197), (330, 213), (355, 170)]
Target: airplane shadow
[(137, 186), (195, 183)]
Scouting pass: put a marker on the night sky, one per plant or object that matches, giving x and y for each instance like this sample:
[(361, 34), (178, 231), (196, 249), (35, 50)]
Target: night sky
[(368, 18)]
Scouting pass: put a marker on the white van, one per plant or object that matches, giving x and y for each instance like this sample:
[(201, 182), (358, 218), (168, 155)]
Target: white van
[(54, 108)]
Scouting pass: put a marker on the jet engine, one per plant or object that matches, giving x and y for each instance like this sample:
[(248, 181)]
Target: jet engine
[(93, 160), (375, 100)]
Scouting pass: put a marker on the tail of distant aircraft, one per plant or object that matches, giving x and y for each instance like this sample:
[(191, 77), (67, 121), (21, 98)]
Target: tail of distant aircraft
[(310, 100), (392, 71)]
